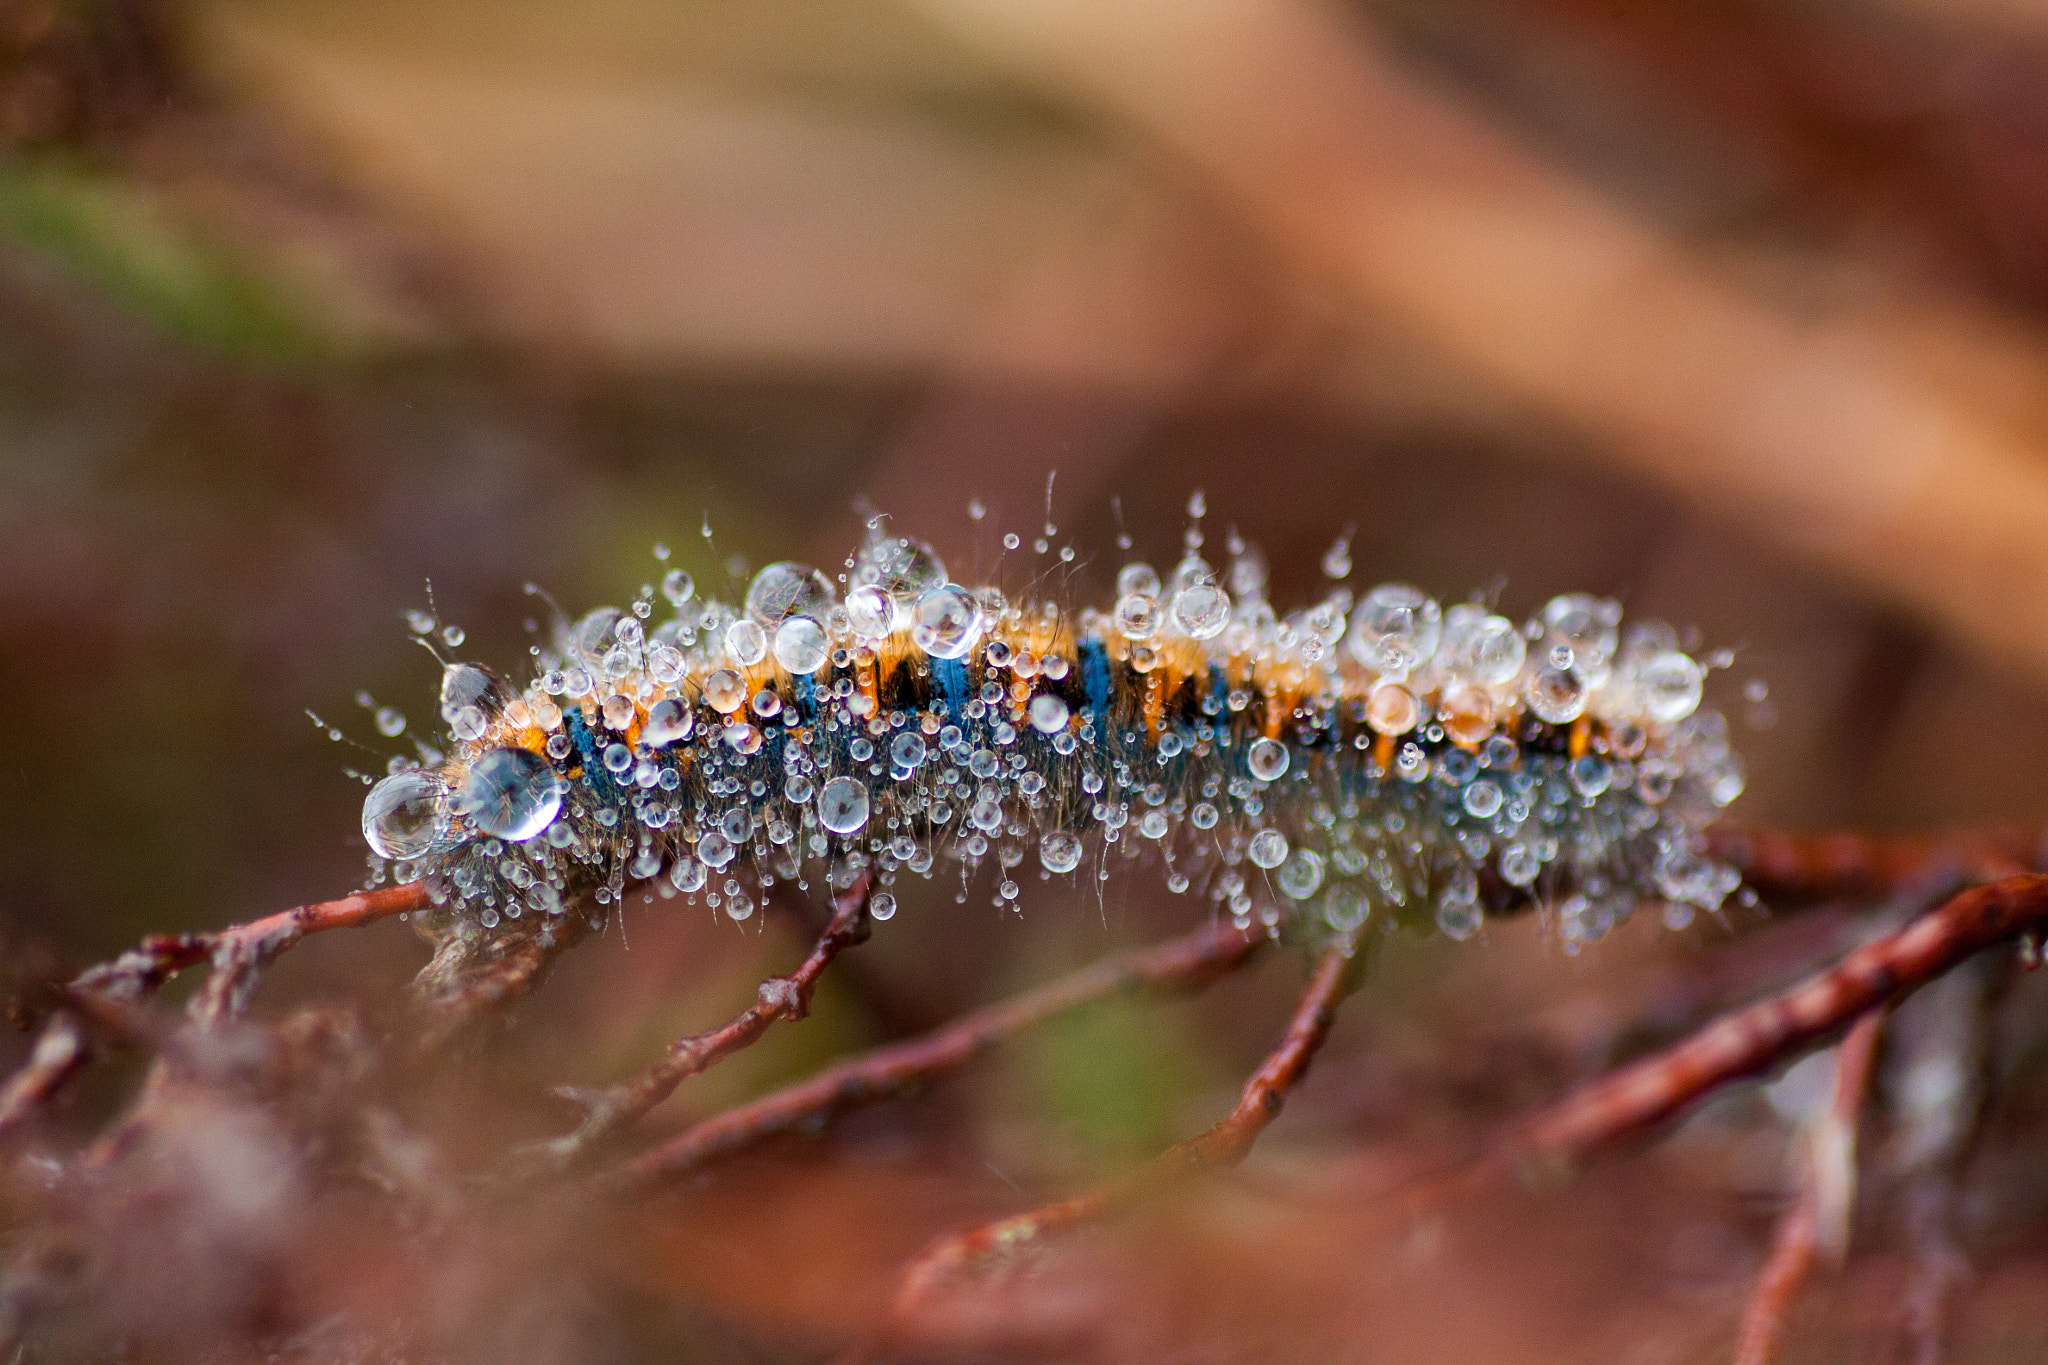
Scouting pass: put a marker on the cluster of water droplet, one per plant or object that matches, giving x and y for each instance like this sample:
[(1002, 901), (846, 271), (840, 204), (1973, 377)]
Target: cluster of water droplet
[(1358, 757)]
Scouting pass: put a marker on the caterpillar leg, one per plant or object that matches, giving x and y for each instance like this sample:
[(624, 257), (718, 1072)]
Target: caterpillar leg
[(616, 1108), (1187, 963), (1224, 1144)]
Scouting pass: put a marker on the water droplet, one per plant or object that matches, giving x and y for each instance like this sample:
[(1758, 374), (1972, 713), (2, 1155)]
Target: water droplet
[(1392, 709), (1337, 560), (882, 905), (787, 589), (1138, 615), (1670, 685), (1346, 907), (800, 645), (946, 622), (1395, 628), (1482, 799), (678, 587), (1060, 851), (1458, 919), (843, 805), (908, 749), (390, 722), (1519, 865), (1557, 695), (1137, 579), (1466, 713), (403, 815), (668, 720), (714, 850), (1266, 758), (724, 691), (1049, 713), (746, 642), (511, 794), (1301, 874), (1493, 652), (1586, 623), (870, 613), (1202, 610), (1268, 848)]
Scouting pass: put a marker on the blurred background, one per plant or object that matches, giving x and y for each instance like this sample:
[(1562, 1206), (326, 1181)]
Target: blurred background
[(1738, 311)]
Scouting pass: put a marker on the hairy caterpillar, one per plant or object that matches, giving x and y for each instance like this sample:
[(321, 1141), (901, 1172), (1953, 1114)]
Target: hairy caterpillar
[(1379, 757)]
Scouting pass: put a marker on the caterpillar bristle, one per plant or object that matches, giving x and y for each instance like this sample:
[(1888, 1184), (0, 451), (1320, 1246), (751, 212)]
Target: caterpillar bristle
[(1355, 758)]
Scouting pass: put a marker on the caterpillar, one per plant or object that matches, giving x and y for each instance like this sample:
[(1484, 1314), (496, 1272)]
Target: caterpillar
[(1377, 756)]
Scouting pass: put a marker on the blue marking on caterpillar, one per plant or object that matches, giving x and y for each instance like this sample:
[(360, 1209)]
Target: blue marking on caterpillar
[(594, 774), (806, 696), (1095, 676), (949, 680)]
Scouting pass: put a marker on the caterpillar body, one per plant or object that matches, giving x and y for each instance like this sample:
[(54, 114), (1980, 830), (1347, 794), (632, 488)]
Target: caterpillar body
[(1381, 756)]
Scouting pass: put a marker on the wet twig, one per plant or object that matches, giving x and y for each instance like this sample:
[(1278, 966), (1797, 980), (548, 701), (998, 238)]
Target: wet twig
[(1182, 964), (1816, 1224), (1772, 1030), (612, 1110), (1224, 1144)]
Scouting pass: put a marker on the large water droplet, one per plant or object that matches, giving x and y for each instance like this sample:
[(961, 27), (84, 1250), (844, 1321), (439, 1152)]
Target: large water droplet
[(403, 815), (1268, 848), (1202, 610), (1266, 758), (788, 589), (1557, 695), (511, 794), (1049, 713), (800, 645), (1670, 686), (843, 805), (1395, 628), (668, 720), (1301, 874), (1060, 851), (946, 622)]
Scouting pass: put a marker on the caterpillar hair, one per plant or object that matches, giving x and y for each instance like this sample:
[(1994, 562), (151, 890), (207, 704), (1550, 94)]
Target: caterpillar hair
[(1379, 757)]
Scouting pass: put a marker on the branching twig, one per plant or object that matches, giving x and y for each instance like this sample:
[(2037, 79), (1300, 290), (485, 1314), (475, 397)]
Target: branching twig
[(1188, 963), (1817, 1222), (239, 954), (1224, 1144), (1766, 1033), (616, 1108)]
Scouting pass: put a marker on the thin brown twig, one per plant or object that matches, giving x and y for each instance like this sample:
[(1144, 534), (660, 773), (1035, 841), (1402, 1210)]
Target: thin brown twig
[(1222, 1145), (59, 1054), (1816, 1224), (1187, 963), (1750, 1039), (1837, 864), (615, 1108)]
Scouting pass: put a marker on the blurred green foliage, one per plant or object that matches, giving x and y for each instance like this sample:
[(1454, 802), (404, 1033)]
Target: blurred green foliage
[(155, 264)]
